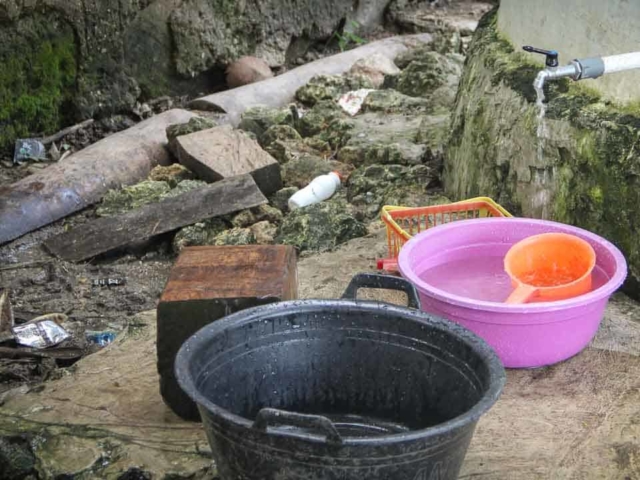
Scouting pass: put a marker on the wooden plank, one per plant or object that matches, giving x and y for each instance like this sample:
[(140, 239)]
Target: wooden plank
[(109, 233), (222, 152), (208, 283)]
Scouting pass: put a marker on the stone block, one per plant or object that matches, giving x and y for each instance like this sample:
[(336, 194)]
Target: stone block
[(222, 152)]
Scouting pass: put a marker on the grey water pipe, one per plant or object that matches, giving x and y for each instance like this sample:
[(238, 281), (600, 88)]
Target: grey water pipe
[(580, 69)]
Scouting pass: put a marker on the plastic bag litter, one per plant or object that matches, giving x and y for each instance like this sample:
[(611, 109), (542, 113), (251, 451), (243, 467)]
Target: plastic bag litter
[(41, 332), (29, 149), (351, 102)]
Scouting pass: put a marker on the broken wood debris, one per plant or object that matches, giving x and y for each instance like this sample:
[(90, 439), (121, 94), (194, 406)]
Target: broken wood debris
[(109, 233)]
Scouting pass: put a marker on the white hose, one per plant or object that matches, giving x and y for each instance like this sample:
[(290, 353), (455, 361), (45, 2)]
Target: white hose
[(620, 63)]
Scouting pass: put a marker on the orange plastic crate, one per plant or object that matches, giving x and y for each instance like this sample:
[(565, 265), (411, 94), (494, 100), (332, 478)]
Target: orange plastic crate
[(405, 222)]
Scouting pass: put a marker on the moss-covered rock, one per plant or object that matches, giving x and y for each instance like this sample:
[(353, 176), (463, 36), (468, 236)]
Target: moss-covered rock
[(330, 87), (433, 76), (583, 171), (235, 236), (261, 213), (320, 227), (300, 172), (373, 138), (264, 232), (258, 120), (279, 132), (372, 187), (201, 233), (116, 202), (392, 101), (318, 118), (184, 186), (172, 174), (433, 133), (16, 457), (280, 199)]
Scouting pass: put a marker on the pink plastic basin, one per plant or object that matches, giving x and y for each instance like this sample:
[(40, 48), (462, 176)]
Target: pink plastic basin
[(458, 271)]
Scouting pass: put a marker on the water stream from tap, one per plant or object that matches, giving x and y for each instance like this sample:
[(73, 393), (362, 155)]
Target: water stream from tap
[(541, 131)]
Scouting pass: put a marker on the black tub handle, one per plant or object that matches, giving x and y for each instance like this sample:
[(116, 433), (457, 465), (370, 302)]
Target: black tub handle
[(274, 417), (385, 282)]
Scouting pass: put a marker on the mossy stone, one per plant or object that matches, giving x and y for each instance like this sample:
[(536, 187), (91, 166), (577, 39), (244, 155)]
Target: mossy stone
[(392, 101), (280, 199), (261, 213), (172, 174), (264, 232), (258, 120), (235, 236), (279, 132), (372, 187), (434, 76), (16, 457), (321, 227), (116, 202), (374, 138), (201, 233), (330, 87), (317, 119), (185, 186)]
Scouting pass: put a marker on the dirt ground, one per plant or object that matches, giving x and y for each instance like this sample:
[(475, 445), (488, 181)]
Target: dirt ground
[(576, 420)]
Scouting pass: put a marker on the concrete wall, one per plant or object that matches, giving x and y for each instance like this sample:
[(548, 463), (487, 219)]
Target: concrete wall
[(579, 28)]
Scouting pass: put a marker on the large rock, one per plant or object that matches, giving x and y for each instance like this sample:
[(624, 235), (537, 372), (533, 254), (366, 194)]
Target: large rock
[(320, 227), (585, 170)]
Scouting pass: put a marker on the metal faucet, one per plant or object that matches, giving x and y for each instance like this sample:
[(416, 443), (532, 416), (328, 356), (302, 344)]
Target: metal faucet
[(578, 69)]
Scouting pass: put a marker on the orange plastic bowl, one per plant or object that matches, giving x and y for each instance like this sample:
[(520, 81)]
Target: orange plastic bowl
[(549, 267)]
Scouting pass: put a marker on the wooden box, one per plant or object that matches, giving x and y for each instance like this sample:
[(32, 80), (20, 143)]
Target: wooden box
[(208, 283)]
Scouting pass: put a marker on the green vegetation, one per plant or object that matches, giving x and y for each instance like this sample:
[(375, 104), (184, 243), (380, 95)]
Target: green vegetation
[(36, 88), (347, 39)]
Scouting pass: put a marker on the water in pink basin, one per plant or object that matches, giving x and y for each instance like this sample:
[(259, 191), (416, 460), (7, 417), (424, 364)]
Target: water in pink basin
[(482, 278)]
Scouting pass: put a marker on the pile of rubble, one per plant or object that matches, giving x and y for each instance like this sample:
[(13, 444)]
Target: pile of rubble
[(389, 152)]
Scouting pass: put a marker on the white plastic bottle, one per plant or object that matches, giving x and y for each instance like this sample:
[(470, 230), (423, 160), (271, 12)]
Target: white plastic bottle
[(320, 189)]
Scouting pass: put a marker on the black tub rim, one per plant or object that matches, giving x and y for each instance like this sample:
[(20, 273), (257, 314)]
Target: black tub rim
[(497, 374)]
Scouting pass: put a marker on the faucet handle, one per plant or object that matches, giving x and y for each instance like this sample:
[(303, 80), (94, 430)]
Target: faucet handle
[(551, 55)]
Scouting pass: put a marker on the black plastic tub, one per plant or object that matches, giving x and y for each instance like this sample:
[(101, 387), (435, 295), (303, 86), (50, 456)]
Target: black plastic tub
[(339, 389)]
